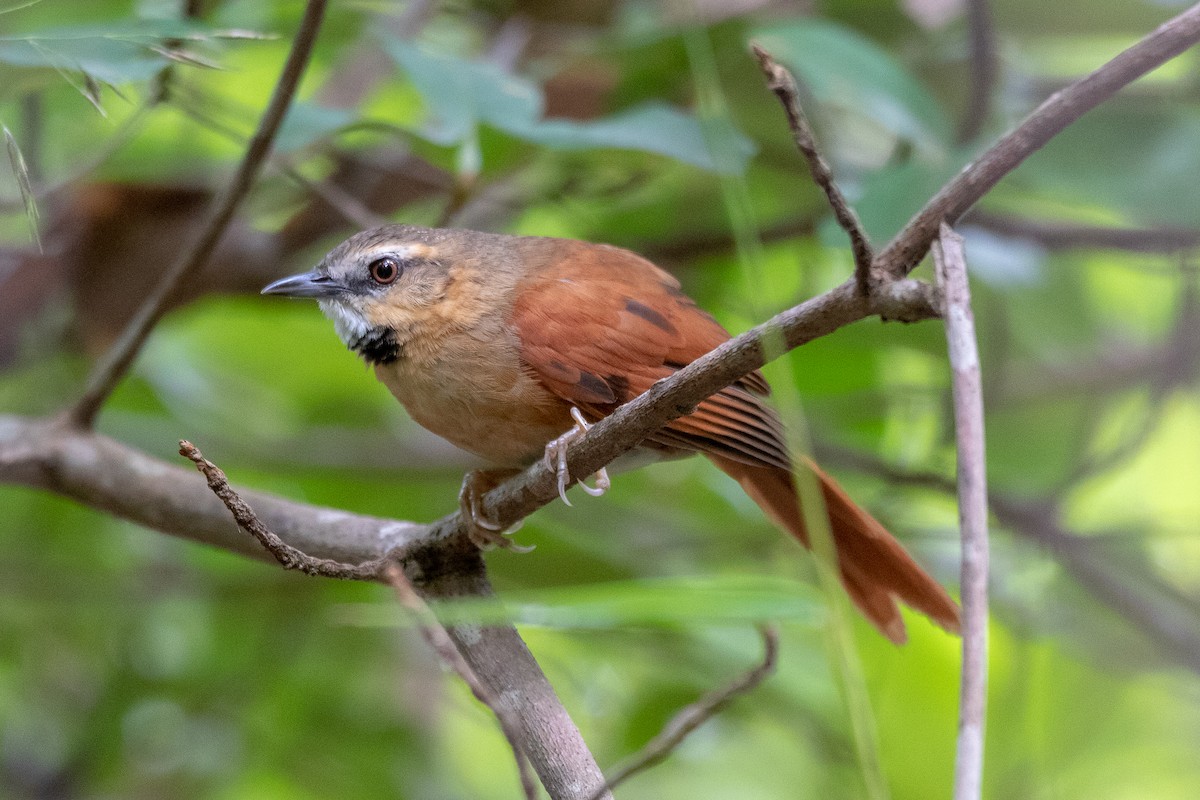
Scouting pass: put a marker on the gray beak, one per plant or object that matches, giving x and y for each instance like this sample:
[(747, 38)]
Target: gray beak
[(308, 284)]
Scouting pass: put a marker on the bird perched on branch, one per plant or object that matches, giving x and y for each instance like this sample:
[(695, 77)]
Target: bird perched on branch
[(509, 346)]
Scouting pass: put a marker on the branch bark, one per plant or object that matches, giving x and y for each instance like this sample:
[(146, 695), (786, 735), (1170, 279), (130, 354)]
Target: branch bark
[(104, 474), (783, 84), (951, 262), (117, 361), (906, 250)]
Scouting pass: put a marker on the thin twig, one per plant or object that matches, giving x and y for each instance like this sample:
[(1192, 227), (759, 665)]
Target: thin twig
[(984, 65), (691, 717), (439, 639), (289, 557), (906, 250), (383, 568), (951, 265), (783, 84), (120, 356)]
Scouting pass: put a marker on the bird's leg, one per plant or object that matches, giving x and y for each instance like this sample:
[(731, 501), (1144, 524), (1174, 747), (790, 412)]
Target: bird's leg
[(556, 459), (485, 532)]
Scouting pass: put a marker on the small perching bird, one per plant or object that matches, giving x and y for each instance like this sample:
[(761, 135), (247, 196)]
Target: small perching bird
[(506, 345)]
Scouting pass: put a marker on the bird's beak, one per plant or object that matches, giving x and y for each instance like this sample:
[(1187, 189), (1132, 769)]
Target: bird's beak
[(308, 284)]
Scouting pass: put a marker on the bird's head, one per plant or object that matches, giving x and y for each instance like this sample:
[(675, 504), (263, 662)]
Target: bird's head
[(378, 286)]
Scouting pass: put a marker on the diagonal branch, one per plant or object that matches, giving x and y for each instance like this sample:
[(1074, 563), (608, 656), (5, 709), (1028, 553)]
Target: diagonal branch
[(950, 259), (904, 252), (117, 361), (783, 84), (383, 568), (693, 716)]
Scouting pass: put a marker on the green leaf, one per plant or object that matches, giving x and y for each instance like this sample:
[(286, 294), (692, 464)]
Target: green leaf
[(669, 601), (307, 123), (461, 95), (114, 54), (848, 72)]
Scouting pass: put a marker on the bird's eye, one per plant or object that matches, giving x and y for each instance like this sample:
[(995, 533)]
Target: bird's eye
[(384, 270)]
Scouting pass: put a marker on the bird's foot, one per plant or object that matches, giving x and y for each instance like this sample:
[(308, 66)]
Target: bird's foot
[(483, 531), (556, 459)]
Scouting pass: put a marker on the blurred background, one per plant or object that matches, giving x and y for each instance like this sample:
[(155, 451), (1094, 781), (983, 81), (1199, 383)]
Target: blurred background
[(137, 665)]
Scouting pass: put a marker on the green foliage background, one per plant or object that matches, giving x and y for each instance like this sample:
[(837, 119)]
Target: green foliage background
[(136, 665)]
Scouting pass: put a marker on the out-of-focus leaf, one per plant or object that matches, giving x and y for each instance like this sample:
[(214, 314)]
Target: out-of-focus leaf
[(307, 123), (1141, 165), (711, 599), (461, 95), (842, 69), (113, 54)]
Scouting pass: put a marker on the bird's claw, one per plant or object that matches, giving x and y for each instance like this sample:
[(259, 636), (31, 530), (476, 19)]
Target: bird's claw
[(556, 459), (485, 533)]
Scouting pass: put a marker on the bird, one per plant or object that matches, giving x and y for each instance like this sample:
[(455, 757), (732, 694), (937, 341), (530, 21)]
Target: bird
[(510, 346)]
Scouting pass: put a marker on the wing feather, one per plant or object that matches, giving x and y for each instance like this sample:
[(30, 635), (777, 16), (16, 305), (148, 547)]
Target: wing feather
[(599, 325)]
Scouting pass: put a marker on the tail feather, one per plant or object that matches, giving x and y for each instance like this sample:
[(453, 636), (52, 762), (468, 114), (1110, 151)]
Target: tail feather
[(876, 570)]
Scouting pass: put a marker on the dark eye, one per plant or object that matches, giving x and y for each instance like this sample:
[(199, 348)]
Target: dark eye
[(384, 270)]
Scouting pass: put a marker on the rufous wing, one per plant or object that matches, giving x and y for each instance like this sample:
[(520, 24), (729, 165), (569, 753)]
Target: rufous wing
[(599, 325)]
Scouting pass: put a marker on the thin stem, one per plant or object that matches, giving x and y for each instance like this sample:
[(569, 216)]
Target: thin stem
[(951, 264), (904, 252), (783, 84), (120, 356), (693, 716), (440, 641)]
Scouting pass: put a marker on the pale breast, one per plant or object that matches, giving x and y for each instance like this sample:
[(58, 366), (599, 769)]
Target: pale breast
[(476, 395)]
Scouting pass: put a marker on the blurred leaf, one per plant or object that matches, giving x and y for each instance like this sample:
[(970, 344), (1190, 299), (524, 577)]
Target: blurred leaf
[(461, 95), (116, 53), (846, 71), (308, 123), (668, 601), (1141, 164)]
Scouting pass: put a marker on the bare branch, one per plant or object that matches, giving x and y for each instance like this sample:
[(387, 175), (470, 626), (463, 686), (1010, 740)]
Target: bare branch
[(439, 639), (120, 357), (383, 568), (693, 716), (111, 477), (783, 84), (288, 556), (951, 263), (907, 249), (984, 65)]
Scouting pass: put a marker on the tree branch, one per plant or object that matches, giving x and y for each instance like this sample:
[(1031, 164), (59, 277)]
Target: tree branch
[(383, 568), (114, 478), (783, 84), (906, 250), (951, 262), (120, 356), (693, 716), (984, 65)]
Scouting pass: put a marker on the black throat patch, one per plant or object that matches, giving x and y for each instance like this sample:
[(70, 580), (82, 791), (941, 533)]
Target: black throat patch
[(377, 346)]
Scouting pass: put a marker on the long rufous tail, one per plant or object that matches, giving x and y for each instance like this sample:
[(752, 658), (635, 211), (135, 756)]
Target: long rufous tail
[(876, 569)]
